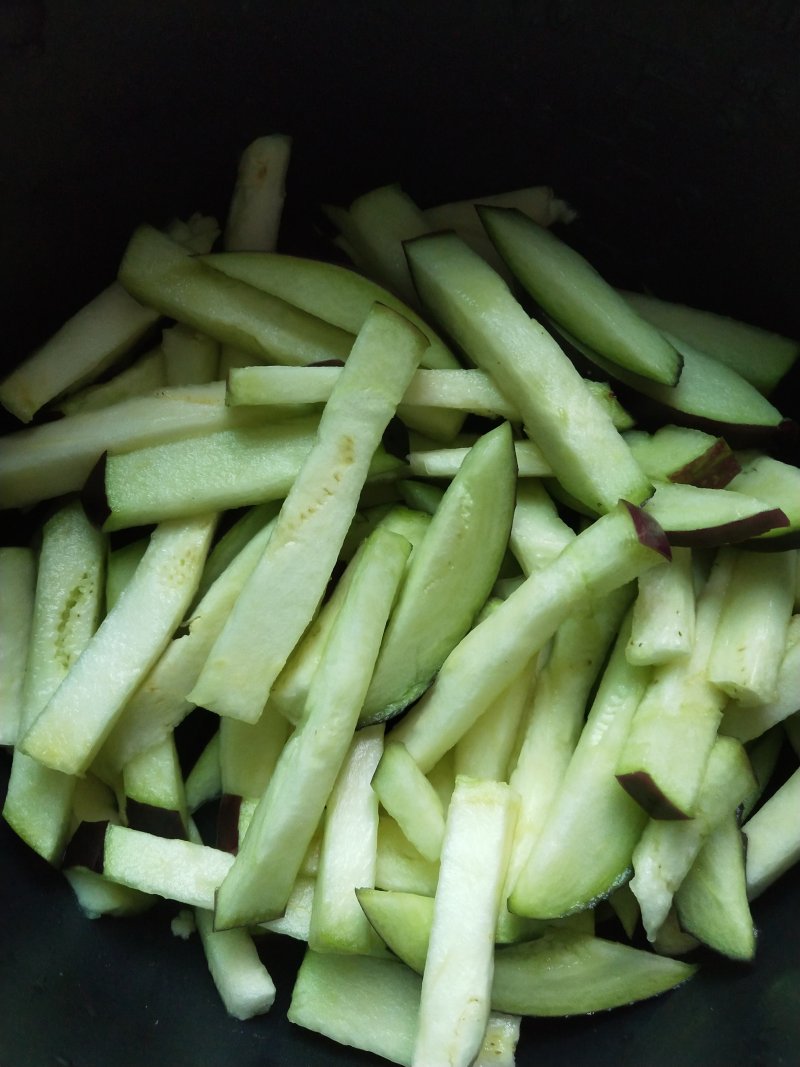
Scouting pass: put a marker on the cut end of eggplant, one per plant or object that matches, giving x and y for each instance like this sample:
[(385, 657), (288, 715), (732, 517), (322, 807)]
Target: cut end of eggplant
[(729, 533), (640, 786), (694, 516), (714, 469), (648, 530)]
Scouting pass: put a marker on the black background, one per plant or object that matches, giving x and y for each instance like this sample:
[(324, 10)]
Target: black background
[(672, 128)]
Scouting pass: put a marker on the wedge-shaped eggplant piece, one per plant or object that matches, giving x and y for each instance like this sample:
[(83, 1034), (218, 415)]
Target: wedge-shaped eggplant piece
[(450, 576), (577, 974), (625, 907), (559, 974), (759, 356), (607, 555), (69, 731), (423, 497), (570, 290), (38, 806), (763, 754), (672, 940), (709, 395), (576, 435), (694, 516), (284, 592), (243, 982), (584, 849), (778, 484), (682, 454), (291, 807), (160, 274), (537, 201), (711, 902)]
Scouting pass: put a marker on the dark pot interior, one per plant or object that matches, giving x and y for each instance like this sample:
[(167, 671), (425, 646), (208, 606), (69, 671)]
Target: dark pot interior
[(671, 128)]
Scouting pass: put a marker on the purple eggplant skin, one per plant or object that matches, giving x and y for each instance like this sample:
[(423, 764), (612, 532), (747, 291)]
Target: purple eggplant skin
[(647, 795), (648, 530), (714, 469), (730, 533)]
